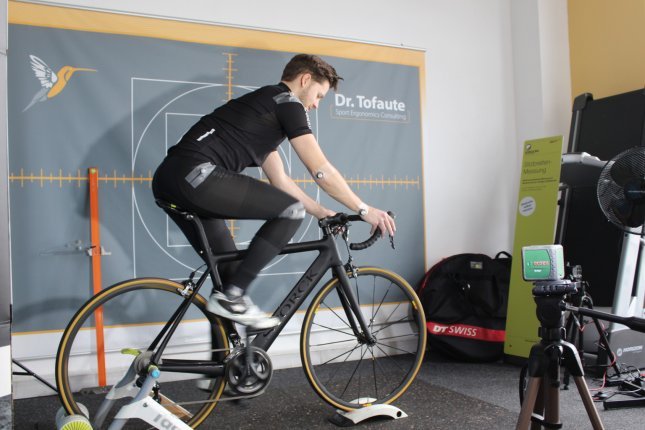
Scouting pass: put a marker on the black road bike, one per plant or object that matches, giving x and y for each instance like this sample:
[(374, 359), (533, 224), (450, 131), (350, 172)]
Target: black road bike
[(362, 341)]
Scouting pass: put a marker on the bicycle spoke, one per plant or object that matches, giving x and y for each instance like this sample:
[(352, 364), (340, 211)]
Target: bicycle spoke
[(340, 355), (345, 360), (392, 347), (334, 312), (353, 373), (335, 329), (374, 372), (373, 298), (399, 336), (392, 313), (403, 319), (330, 343), (384, 296), (390, 357), (379, 365)]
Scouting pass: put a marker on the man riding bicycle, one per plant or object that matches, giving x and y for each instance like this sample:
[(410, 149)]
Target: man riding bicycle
[(201, 173)]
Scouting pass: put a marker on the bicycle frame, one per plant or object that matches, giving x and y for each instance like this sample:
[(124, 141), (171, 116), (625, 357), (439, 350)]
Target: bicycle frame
[(328, 258)]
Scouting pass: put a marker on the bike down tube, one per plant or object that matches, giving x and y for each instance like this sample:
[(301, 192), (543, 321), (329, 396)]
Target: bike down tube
[(327, 258)]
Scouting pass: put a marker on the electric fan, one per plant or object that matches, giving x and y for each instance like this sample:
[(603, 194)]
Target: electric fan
[(621, 190)]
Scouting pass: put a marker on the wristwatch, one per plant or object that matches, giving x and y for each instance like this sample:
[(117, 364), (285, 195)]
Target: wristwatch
[(363, 209)]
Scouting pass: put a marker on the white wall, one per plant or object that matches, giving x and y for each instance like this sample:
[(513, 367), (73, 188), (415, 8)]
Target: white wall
[(471, 139)]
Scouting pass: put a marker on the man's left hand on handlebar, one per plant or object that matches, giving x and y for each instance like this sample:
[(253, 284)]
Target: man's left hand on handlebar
[(324, 213), (381, 220)]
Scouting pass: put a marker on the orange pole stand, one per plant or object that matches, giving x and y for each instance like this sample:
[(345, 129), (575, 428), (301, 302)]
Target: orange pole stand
[(95, 239)]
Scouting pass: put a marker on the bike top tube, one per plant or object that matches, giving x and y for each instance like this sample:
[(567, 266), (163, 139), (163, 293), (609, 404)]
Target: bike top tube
[(328, 225)]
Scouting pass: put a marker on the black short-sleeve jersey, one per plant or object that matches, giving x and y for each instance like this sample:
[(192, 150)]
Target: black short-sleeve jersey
[(242, 132)]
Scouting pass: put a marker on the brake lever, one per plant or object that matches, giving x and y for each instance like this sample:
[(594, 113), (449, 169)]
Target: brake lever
[(393, 215)]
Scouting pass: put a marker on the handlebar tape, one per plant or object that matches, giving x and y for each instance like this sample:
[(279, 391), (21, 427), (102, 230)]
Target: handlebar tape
[(369, 242), (342, 218)]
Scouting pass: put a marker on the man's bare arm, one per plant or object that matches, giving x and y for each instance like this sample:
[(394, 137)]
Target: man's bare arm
[(273, 168)]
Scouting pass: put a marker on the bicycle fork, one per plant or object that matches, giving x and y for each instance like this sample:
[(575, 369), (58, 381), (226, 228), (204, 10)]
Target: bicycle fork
[(352, 308)]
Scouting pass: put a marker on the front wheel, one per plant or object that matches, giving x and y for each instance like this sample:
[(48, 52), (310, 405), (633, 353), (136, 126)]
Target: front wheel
[(344, 369)]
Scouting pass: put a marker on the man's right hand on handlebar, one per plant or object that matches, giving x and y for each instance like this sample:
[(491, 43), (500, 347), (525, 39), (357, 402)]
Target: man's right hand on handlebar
[(381, 220)]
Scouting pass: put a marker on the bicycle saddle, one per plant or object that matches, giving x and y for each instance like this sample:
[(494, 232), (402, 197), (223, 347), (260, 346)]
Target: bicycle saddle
[(175, 209)]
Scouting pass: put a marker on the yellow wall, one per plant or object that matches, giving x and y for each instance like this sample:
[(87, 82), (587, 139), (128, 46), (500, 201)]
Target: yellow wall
[(607, 46)]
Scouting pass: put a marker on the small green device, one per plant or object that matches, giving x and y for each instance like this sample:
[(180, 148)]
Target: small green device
[(543, 263)]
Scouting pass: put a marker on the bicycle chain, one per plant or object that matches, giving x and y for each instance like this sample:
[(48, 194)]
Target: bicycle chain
[(221, 399)]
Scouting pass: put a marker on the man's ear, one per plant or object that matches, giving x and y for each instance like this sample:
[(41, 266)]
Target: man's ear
[(305, 78)]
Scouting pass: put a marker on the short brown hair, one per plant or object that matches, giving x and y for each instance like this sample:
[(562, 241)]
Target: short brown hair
[(319, 69)]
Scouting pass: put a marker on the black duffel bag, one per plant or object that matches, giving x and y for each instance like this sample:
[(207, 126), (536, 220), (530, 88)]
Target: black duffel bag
[(465, 298)]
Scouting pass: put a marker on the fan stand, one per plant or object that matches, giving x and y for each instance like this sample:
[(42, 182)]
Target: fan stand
[(629, 295)]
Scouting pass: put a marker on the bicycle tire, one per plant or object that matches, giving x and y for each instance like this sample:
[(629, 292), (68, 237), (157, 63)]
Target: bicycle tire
[(393, 309), (125, 308)]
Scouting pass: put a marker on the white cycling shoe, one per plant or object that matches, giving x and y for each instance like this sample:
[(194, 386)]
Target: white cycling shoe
[(241, 310)]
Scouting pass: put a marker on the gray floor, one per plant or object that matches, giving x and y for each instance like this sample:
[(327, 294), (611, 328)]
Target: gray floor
[(446, 395), (5, 412)]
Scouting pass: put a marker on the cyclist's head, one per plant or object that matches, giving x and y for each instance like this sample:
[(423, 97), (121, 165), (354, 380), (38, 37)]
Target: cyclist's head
[(318, 68)]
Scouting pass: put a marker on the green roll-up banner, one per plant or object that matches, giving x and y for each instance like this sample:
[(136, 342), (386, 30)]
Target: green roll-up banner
[(534, 225)]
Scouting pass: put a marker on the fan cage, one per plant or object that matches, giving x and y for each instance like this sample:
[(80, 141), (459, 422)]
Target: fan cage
[(611, 195)]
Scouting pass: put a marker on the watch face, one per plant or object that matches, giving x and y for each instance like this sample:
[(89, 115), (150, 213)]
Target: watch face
[(362, 212)]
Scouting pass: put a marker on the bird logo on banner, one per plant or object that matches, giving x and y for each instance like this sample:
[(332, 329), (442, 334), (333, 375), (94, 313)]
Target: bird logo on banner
[(52, 83)]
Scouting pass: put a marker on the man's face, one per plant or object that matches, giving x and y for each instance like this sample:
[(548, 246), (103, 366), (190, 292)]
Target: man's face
[(312, 92)]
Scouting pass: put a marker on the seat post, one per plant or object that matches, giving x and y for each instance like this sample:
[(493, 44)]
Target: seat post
[(203, 240), (201, 234)]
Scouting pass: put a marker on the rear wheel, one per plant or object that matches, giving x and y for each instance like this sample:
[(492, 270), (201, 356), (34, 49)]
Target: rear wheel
[(133, 313), (348, 372)]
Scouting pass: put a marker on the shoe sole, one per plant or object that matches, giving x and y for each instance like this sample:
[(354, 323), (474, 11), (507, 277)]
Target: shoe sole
[(263, 323)]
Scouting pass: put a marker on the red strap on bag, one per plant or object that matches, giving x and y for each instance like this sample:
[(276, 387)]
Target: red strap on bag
[(466, 331)]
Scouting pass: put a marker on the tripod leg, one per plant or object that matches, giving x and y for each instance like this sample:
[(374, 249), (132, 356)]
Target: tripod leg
[(583, 390), (537, 418), (530, 398), (552, 404), (551, 389), (571, 361)]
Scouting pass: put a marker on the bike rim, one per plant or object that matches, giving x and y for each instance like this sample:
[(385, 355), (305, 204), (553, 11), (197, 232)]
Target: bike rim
[(133, 313), (348, 373)]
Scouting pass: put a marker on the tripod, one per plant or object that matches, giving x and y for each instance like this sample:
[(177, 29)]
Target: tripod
[(542, 398)]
